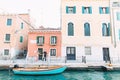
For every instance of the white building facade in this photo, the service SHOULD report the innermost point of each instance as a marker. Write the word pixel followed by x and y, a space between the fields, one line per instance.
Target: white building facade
pixel 115 24
pixel 87 31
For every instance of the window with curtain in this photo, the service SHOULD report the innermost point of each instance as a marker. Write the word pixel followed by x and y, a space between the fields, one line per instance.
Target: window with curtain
pixel 53 40
pixel 70 29
pixel 87 29
pixel 86 10
pixel 106 29
pixel 52 52
pixel 70 9
pixel 40 40
pixel 22 25
pixel 104 10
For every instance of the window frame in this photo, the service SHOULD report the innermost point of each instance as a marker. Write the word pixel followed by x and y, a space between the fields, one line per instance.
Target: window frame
pixel 22 25
pixel 8 52
pixel 86 10
pixel 7 37
pixel 70 29
pixel 53 40
pixel 9 22
pixel 87 29
pixel 21 39
pixel 38 40
pixel 70 9
pixel 88 50
pixel 52 52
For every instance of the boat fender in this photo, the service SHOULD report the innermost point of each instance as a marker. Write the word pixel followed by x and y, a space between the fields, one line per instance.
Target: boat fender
pixel 16 66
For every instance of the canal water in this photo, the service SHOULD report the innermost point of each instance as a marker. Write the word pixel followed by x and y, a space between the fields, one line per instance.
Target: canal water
pixel 67 75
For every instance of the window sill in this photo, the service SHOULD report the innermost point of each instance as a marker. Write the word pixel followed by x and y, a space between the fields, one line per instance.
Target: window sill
pixel 7 42
pixel 53 44
pixel 40 44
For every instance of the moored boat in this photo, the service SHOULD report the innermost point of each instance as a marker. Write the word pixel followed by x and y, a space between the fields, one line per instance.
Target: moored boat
pixel 42 70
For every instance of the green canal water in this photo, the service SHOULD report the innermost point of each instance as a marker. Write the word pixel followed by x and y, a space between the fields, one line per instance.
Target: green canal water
pixel 67 75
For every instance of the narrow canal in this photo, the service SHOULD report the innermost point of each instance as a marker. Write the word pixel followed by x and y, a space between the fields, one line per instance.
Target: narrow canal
pixel 67 75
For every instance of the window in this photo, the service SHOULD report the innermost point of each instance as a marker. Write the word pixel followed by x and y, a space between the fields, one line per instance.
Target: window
pixel 9 22
pixel 106 29
pixel 22 25
pixel 6 51
pixel 40 40
pixel 7 37
pixel 21 39
pixel 70 50
pixel 116 4
pixel 87 29
pixel 70 29
pixel 118 16
pixel 119 34
pixel 87 50
pixel 52 52
pixel 53 40
pixel 87 10
pixel 71 10
pixel 104 10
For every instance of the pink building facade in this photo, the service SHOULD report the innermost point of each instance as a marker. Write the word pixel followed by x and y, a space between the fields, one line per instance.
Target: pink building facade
pixel 14 30
pixel 44 40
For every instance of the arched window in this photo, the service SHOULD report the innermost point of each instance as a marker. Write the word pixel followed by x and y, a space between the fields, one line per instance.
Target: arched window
pixel 70 29
pixel 104 29
pixel 87 29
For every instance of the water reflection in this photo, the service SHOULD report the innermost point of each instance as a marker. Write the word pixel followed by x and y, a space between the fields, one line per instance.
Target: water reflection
pixel 107 76
pixel 67 75
pixel 48 77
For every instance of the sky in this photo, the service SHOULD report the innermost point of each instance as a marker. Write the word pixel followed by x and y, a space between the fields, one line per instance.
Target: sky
pixel 43 12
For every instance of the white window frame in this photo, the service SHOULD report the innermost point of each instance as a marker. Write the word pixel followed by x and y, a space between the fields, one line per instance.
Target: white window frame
pixel 71 10
pixel 53 52
pixel 41 40
pixel 8 52
pixel 54 42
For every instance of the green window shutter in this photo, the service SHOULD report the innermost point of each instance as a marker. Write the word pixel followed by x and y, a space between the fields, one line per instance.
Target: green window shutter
pixel 82 10
pixel 107 10
pixel 67 9
pixel 109 30
pixel 100 10
pixel 55 39
pixel 74 9
pixel 90 10
pixel 21 39
pixel 37 40
pixel 43 39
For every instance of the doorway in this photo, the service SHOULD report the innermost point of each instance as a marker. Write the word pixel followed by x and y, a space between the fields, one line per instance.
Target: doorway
pixel 106 56
pixel 71 53
pixel 40 51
